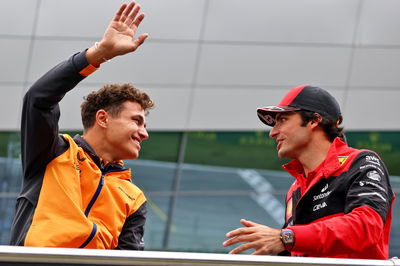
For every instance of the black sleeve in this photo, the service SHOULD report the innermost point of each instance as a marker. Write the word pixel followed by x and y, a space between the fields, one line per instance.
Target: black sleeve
pixel 40 113
pixel 131 237
pixel 371 186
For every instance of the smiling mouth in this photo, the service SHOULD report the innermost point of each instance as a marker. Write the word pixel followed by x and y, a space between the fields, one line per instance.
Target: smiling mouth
pixel 279 144
pixel 136 141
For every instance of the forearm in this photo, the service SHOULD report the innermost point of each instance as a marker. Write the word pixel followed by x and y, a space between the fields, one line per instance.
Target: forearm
pixel 345 234
pixel 49 89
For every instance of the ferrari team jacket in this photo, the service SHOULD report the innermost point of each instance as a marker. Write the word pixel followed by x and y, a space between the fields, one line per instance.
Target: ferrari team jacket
pixel 343 208
pixel 70 197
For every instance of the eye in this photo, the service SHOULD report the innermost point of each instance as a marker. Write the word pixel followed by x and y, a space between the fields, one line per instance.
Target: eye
pixel 137 120
pixel 281 119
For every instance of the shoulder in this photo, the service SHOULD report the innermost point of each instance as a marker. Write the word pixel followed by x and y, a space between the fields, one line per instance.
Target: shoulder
pixel 135 195
pixel 367 160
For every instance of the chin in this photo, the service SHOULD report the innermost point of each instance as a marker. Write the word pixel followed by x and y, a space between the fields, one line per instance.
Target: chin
pixel 282 154
pixel 134 156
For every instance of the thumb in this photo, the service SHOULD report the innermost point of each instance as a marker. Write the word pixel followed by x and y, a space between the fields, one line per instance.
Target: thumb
pixel 139 41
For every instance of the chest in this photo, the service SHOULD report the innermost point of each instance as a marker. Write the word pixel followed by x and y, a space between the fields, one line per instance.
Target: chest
pixel 325 198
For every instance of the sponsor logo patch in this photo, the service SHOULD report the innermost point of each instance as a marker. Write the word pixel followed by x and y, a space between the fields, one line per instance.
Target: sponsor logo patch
pixel 80 157
pixel 126 194
pixel 372 166
pixel 342 159
pixel 269 119
pixel 374 175
pixel 321 196
pixel 364 183
pixel 372 159
pixel 319 206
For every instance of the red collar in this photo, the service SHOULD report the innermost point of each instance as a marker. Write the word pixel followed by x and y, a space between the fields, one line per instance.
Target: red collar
pixel 327 167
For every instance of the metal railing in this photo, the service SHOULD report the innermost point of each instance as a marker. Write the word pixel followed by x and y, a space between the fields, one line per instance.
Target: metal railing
pixel 11 255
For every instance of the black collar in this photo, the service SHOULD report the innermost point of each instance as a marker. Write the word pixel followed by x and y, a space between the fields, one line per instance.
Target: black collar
pixel 105 167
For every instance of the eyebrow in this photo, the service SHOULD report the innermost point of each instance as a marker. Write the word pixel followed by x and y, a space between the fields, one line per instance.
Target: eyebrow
pixel 284 114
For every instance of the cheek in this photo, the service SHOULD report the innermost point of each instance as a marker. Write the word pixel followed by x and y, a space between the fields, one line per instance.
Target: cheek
pixel 301 137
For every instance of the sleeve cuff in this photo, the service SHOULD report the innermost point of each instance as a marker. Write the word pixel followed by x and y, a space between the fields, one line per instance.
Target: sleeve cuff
pixel 304 239
pixel 82 65
pixel 89 69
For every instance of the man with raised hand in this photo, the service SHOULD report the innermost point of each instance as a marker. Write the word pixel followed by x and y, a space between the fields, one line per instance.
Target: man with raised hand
pixel 76 192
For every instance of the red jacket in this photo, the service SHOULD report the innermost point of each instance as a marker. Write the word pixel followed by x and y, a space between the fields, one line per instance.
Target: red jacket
pixel 343 208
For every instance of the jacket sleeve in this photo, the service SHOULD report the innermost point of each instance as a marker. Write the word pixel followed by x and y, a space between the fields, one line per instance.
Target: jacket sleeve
pixel 40 113
pixel 362 224
pixel 131 237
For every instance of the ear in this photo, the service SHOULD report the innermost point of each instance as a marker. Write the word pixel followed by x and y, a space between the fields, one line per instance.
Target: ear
pixel 102 118
pixel 316 120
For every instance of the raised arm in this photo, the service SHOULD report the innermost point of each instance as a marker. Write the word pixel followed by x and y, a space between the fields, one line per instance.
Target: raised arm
pixel 39 124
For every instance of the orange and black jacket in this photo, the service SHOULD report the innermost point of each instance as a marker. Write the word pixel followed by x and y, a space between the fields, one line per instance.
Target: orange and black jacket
pixel 70 197
pixel 343 208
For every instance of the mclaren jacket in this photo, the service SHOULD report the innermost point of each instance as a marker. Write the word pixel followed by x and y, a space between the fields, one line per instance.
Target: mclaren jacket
pixel 70 197
pixel 343 208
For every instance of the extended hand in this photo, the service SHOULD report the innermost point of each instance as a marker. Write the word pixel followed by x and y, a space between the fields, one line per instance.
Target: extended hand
pixel 265 240
pixel 118 37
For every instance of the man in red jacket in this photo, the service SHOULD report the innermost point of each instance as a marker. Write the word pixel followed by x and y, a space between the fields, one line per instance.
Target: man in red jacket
pixel 340 204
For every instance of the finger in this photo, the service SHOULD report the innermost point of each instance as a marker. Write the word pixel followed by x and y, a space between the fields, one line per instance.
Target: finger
pixel 117 16
pixel 230 242
pixel 238 239
pixel 127 10
pixel 241 248
pixel 135 24
pixel 235 232
pixel 140 40
pixel 248 223
pixel 132 15
pixel 240 231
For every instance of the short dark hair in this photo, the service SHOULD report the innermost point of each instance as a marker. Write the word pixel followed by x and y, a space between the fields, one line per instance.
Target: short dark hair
pixel 110 98
pixel 330 126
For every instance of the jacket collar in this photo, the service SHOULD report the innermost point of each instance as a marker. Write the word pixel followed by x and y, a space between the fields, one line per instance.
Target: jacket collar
pixel 327 167
pixel 104 165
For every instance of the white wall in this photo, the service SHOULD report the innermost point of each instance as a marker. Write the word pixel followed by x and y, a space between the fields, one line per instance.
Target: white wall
pixel 209 64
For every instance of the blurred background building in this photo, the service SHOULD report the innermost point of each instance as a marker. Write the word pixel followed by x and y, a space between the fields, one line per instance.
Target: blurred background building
pixel 208 64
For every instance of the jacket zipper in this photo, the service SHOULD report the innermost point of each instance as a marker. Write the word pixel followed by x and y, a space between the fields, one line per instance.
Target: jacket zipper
pixel 89 207
pixel 95 196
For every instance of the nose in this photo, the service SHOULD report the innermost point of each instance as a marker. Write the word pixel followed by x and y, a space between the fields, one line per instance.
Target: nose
pixel 143 133
pixel 273 133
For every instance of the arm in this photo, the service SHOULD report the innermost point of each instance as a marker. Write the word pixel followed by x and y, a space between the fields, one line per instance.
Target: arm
pixel 348 234
pixel 39 123
pixel 131 237
pixel 40 115
pixel 264 239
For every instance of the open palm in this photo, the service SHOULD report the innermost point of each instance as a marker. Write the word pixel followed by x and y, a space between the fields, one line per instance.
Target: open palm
pixel 118 38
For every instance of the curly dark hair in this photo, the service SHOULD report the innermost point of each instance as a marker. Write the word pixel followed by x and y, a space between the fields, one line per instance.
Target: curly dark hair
pixel 330 126
pixel 110 98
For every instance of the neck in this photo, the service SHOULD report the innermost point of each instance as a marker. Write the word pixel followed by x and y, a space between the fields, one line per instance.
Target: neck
pixel 315 155
pixel 97 144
